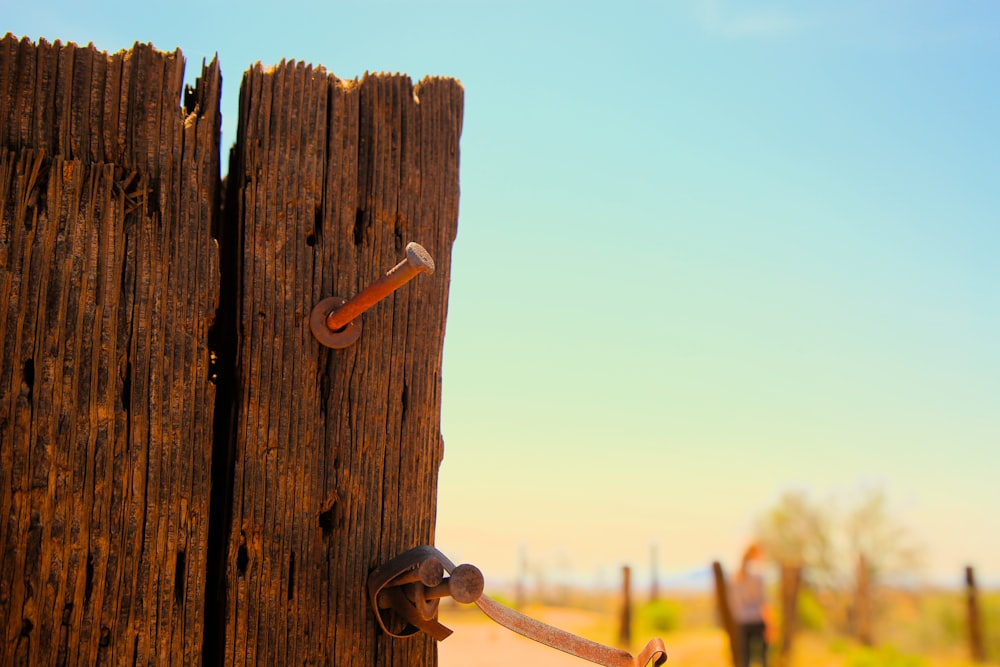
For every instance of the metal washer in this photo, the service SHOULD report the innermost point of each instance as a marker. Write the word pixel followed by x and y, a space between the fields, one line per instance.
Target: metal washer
pixel 333 339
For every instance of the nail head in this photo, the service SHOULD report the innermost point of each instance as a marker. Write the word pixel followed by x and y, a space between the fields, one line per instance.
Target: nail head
pixel 418 257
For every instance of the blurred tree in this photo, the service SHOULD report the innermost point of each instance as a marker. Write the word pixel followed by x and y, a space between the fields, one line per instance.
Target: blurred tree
pixel 798 533
pixel 882 549
pixel 887 547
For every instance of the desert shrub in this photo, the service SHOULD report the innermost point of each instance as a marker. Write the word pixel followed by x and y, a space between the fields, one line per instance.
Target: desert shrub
pixel 660 615
pixel 990 605
pixel 811 614
pixel 950 619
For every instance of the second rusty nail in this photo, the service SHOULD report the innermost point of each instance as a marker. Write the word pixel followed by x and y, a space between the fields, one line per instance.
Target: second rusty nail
pixel 430 573
pixel 417 261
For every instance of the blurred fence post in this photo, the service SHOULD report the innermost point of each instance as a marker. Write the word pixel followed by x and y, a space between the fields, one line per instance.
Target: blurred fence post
pixel 863 604
pixel 725 613
pixel 625 630
pixel 791 578
pixel 976 649
pixel 654 577
pixel 520 596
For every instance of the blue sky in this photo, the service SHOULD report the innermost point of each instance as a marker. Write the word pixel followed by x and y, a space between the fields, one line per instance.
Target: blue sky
pixel 708 252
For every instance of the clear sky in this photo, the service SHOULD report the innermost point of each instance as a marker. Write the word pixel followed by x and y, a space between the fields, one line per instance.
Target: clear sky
pixel 709 251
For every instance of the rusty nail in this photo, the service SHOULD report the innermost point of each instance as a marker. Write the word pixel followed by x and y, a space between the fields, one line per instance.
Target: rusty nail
pixel 417 261
pixel 465 585
pixel 334 319
pixel 430 573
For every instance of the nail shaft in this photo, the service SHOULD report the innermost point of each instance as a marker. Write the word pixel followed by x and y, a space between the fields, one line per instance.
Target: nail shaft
pixel 417 261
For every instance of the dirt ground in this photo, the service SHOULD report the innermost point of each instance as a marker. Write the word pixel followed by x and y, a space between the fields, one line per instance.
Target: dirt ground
pixel 478 642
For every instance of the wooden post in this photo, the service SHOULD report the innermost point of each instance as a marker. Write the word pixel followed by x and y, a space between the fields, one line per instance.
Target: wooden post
pixel 726 614
pixel 863 604
pixel 186 475
pixel 791 578
pixel 625 625
pixel 654 576
pixel 335 452
pixel 976 648
pixel 108 287
pixel 520 591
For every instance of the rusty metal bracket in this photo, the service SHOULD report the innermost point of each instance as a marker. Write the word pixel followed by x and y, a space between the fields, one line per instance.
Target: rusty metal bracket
pixel 405 591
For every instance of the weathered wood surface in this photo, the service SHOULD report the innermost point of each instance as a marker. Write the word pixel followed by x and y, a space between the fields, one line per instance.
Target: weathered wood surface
pixel 336 451
pixel 108 286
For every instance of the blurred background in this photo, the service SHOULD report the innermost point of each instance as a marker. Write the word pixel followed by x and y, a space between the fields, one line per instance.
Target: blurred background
pixel 726 271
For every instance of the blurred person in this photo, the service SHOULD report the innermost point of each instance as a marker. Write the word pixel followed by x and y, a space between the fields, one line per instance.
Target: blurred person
pixel 748 601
